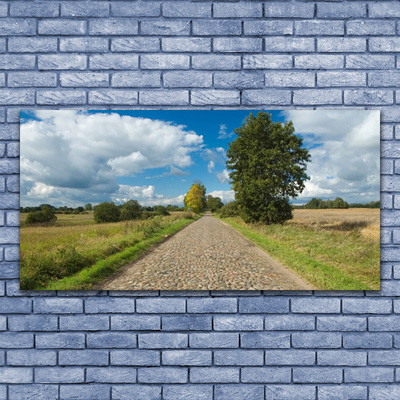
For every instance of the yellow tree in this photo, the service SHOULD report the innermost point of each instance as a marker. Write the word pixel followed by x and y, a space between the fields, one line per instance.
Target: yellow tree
pixel 195 199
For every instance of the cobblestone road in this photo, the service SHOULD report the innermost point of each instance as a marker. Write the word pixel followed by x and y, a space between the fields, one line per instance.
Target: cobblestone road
pixel 206 255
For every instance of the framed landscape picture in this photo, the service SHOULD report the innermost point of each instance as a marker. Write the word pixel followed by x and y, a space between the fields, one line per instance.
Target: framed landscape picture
pixel 200 200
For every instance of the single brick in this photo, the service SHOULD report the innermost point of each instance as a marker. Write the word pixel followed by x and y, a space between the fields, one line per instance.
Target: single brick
pixel 84 322
pixel 262 96
pixel 319 61
pixel 238 10
pixel 214 375
pixel 370 61
pixel 312 97
pixel 317 340
pixel 367 306
pixel 268 27
pixel 109 305
pixel 288 10
pixel 267 61
pixel 57 306
pixel 341 11
pixel 8 235
pixel 16 340
pixel 367 341
pixel 289 357
pixel 34 9
pixel 368 97
pixel 186 357
pixel 289 79
pixel 32 391
pixel 186 79
pixel 241 323
pixel 384 10
pixel 135 322
pixel 289 392
pixel 162 375
pixel 164 61
pixel 129 9
pixel 387 44
pixel 139 44
pixel 115 27
pixel 384 78
pixel 261 340
pixel 17 61
pixel 256 305
pixel 325 306
pixel 238 357
pixel 109 340
pixel 289 323
pixel 60 340
pixel 212 305
pixel 347 392
pixel 237 45
pixel 15 305
pixel 341 323
pixel 163 340
pixel 342 358
pixel 373 28
pixel 64 97
pixel 32 323
pixel 84 44
pixel 130 392
pixel 266 375
pixel 108 96
pixel 186 10
pixel 214 340
pixel 31 357
pixel 113 61
pixel 317 375
pixel 16 375
pixel 176 97
pixel 342 78
pixel 165 28
pixel 318 27
pixel 387 323
pixel 59 375
pixel 384 357
pixel 83 357
pixel 85 9
pixel 17 26
pixel 8 166
pixel 10 270
pixel 369 375
pixel 11 131
pixel 239 392
pixel 32 79
pixel 187 323
pixel 98 392
pixel 214 62
pixel 216 27
pixel 32 45
pixel 83 79
pixel 135 357
pixel 61 27
pixel 341 45
pixel 193 45
pixel 61 61
pixel 111 375
pixel 179 392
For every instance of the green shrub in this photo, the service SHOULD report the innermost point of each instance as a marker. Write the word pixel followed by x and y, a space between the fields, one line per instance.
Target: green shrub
pixel 45 216
pixel 230 209
pixel 106 212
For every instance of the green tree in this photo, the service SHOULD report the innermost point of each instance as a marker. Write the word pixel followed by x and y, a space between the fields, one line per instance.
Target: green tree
pixel 230 209
pixel 131 210
pixel 339 203
pixel 88 207
pixel 195 199
pixel 214 203
pixel 268 166
pixel 106 212
pixel 44 216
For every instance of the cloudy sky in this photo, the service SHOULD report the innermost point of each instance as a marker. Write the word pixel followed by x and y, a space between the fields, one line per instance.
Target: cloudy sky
pixel 71 157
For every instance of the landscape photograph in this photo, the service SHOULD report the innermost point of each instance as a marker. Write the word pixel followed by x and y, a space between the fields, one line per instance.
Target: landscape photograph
pixel 200 200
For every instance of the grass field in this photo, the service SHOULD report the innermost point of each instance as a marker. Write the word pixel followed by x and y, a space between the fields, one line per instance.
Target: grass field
pixel 75 253
pixel 331 249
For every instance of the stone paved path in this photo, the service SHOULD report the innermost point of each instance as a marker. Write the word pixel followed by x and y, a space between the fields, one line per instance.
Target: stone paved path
pixel 206 255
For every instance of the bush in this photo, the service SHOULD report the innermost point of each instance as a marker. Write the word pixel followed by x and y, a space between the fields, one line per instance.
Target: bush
pixel 229 210
pixel 106 212
pixel 45 216
pixel 131 210
pixel 161 210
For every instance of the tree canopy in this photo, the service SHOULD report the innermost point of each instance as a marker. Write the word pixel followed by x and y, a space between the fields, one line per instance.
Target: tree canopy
pixel 267 164
pixel 195 199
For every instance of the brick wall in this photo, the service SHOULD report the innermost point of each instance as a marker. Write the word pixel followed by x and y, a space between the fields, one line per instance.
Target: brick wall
pixel 199 345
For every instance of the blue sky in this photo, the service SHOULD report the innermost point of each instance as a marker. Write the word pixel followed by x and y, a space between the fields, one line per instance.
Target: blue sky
pixel 71 157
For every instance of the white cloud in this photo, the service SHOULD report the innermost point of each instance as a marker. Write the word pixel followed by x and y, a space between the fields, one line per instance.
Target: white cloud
pixel 223 176
pixel 210 166
pixel 345 152
pixel 225 195
pixel 223 134
pixel 70 150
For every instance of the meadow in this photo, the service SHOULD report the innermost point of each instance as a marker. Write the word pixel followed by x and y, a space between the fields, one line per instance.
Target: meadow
pixel 332 249
pixel 75 253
